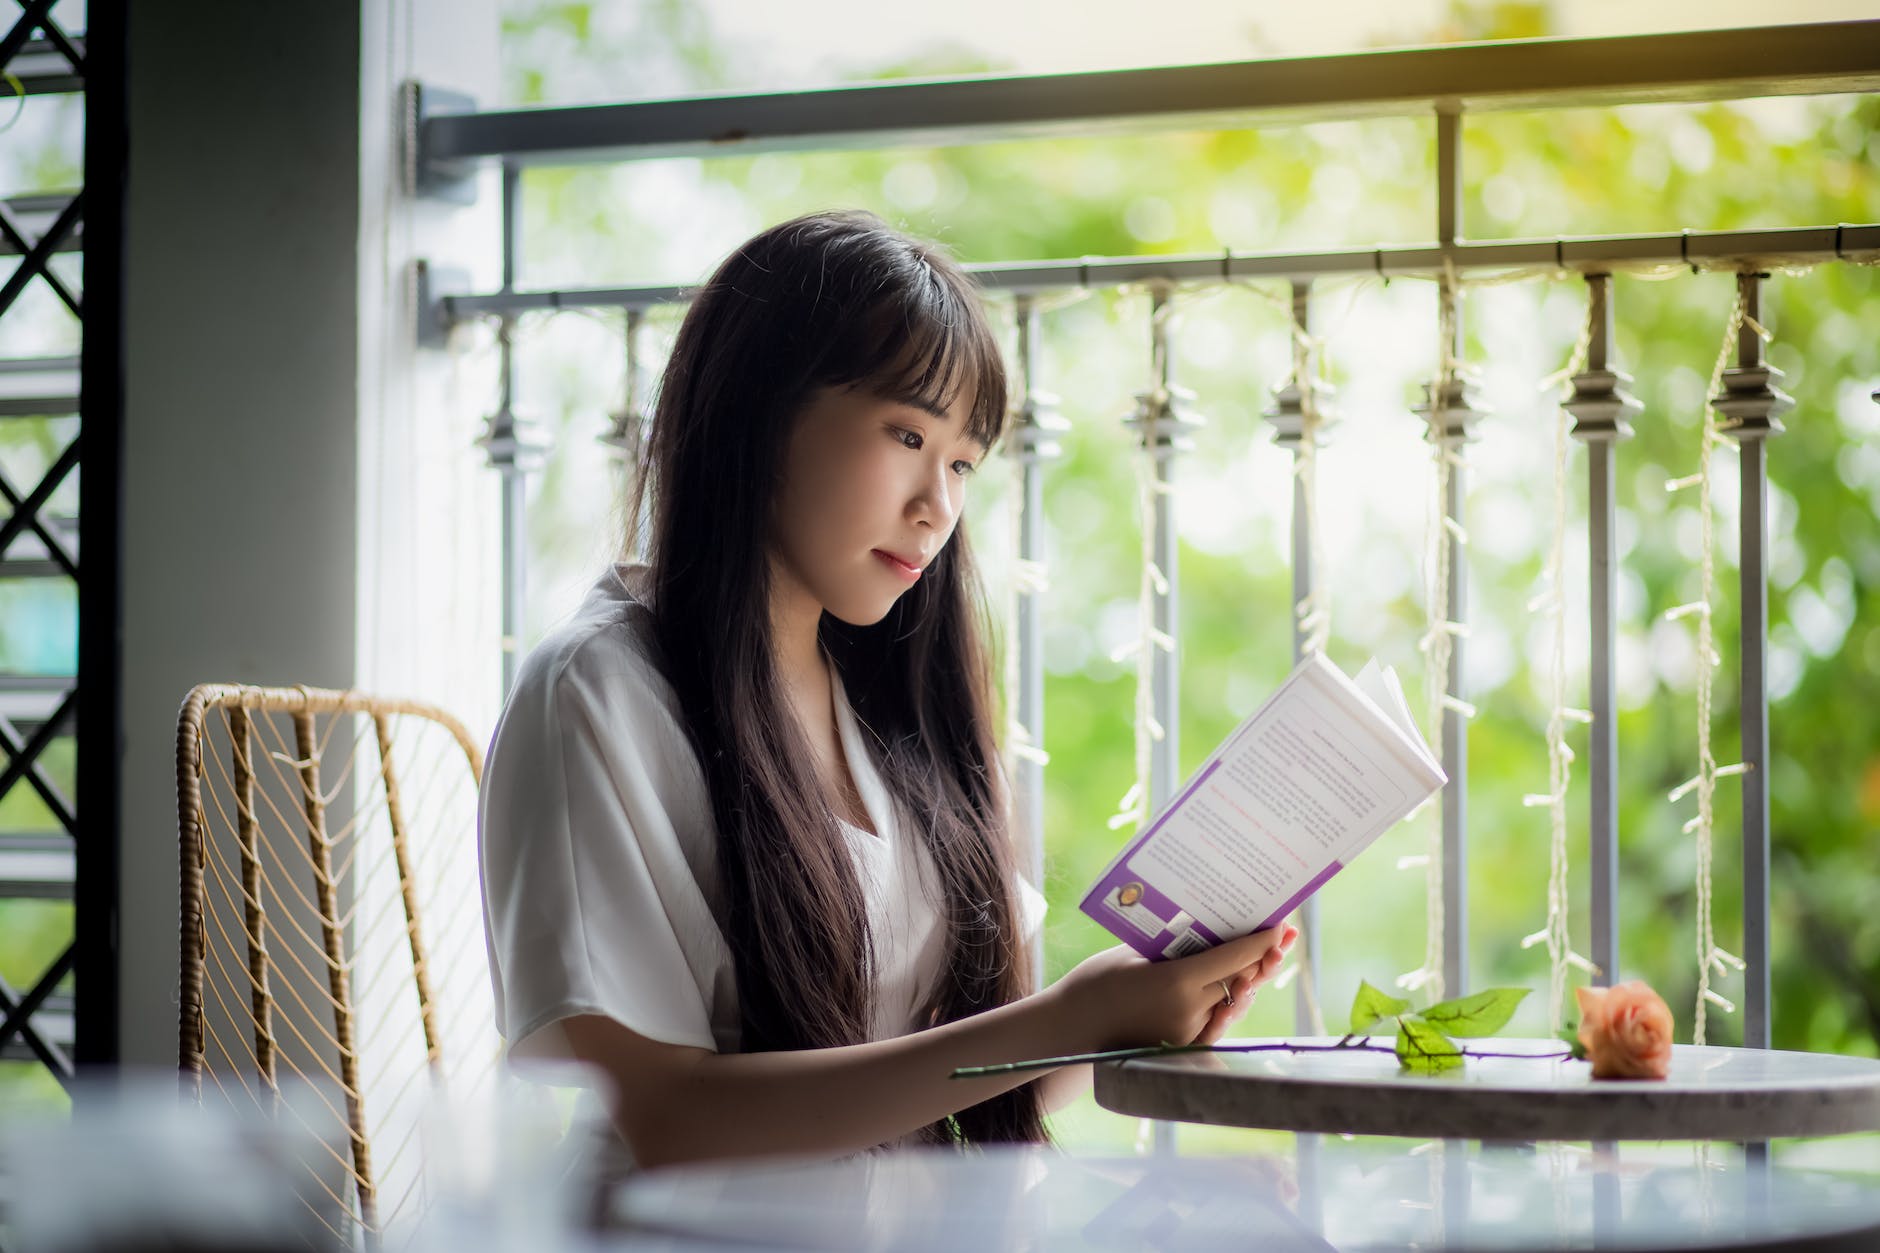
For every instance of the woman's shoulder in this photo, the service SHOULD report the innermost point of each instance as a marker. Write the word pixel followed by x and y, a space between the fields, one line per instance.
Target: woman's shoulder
pixel 602 654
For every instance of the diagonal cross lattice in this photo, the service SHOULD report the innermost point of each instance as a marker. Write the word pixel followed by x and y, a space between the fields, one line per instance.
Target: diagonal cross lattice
pixel 37 15
pixel 25 516
pixel 22 752
pixel 22 761
pixel 16 1013
pixel 36 255
pixel 26 510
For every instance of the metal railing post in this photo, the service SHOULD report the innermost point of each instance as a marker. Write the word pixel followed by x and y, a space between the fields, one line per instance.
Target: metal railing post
pixel 626 435
pixel 1162 419
pixel 1449 407
pixel 1601 409
pixel 1036 425
pixel 1751 401
pixel 1302 398
pixel 514 446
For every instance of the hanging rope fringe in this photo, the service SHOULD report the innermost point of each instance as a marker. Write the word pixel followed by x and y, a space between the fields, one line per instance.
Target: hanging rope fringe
pixel 1553 601
pixel 1133 808
pixel 1704 782
pixel 1437 642
pixel 1021 746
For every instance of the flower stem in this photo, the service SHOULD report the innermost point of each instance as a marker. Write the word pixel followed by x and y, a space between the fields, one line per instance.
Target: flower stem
pixel 1345 1045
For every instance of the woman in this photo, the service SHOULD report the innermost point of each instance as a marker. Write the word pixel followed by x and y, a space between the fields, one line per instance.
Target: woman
pixel 743 827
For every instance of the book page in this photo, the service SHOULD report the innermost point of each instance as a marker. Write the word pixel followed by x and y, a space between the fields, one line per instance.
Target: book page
pixel 1305 784
pixel 1381 686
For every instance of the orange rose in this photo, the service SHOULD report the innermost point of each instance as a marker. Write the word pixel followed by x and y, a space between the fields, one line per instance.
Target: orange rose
pixel 1626 1031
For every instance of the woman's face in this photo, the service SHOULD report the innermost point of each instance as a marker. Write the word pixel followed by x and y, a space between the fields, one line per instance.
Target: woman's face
pixel 872 490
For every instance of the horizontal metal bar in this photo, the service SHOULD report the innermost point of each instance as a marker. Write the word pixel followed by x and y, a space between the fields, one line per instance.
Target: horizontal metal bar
pixel 38 365
pixel 27 700
pixel 57 888
pixel 33 841
pixel 37 866
pixel 39 405
pixel 457 307
pixel 1588 255
pixel 51 687
pixel 43 70
pixel 38 387
pixel 36 214
pixel 1810 58
pixel 31 568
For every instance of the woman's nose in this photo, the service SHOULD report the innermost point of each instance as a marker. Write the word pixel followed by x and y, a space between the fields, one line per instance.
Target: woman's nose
pixel 933 504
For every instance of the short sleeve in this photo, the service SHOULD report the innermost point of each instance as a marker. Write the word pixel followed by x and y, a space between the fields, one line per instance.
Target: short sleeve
pixel 590 903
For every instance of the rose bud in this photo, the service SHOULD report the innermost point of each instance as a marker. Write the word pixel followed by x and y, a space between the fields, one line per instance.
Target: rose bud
pixel 1626 1031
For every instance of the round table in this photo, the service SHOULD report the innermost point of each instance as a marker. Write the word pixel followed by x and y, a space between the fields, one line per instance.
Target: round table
pixel 1712 1093
pixel 1388 1197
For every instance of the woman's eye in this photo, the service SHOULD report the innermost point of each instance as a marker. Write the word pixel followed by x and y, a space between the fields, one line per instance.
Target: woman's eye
pixel 964 468
pixel 910 438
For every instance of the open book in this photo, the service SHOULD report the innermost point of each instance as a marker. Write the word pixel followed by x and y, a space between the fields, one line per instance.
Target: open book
pixel 1304 785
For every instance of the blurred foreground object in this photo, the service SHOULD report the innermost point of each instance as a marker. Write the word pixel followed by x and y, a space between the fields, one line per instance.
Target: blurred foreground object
pixel 134 1168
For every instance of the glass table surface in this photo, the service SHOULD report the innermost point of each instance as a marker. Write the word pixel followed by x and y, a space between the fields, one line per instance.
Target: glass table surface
pixel 1370 1195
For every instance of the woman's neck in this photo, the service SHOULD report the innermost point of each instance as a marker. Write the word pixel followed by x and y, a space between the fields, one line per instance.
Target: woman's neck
pixel 808 688
pixel 795 637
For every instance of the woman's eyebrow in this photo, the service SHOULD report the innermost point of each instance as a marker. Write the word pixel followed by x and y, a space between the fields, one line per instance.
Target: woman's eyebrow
pixel 931 408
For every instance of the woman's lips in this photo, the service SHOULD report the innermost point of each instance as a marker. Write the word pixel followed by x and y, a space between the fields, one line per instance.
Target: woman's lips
pixel 894 563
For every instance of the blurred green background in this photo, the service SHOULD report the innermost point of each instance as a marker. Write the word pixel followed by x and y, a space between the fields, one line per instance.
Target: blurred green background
pixel 1784 162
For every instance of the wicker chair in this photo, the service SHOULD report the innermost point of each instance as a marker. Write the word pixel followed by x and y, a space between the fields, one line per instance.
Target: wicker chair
pixel 316 827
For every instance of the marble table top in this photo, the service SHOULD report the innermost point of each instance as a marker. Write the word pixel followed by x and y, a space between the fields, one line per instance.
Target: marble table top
pixel 1712 1093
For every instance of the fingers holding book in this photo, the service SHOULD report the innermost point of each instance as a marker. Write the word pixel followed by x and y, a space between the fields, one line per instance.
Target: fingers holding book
pixel 1238 988
pixel 1118 999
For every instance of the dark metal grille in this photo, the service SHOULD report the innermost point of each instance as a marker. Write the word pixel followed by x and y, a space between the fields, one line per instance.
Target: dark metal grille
pixel 58 861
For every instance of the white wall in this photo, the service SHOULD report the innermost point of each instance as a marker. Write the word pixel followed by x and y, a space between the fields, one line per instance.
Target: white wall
pixel 301 501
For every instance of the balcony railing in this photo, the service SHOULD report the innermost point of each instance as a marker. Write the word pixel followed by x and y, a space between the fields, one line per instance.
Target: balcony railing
pixel 1447 84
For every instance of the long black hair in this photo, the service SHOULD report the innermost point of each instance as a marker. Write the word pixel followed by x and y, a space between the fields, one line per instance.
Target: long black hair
pixel 832 300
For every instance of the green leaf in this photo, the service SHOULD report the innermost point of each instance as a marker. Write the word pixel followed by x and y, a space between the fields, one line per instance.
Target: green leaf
pixel 1422 1047
pixel 1371 1007
pixel 1478 1014
pixel 1572 1036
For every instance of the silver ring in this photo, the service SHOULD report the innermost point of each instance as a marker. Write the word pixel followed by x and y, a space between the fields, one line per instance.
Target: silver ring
pixel 1227 993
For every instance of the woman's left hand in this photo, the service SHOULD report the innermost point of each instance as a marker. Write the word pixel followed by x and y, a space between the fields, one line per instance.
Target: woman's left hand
pixel 1245 984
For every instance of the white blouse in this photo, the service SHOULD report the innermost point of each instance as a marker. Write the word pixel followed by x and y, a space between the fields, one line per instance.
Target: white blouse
pixel 599 864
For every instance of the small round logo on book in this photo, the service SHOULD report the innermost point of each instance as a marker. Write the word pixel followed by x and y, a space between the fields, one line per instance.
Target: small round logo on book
pixel 1126 902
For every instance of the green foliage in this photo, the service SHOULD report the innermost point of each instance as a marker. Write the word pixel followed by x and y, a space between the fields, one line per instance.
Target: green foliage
pixel 1425 1038
pixel 1786 162
pixel 1779 162
pixel 1483 1013
pixel 1420 1046
pixel 1371 1007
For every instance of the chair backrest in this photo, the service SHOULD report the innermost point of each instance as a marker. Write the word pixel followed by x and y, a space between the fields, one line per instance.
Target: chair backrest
pixel 331 923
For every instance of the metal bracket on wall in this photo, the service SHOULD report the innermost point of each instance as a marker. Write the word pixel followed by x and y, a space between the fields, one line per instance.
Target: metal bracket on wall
pixel 453 181
pixel 435 285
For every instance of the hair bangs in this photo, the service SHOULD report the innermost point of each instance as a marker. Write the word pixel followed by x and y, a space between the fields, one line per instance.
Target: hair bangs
pixel 927 347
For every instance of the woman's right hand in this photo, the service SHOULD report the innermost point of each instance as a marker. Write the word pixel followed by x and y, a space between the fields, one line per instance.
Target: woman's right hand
pixel 1120 999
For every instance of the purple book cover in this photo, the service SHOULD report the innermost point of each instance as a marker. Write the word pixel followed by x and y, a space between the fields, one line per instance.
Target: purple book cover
pixel 1318 767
